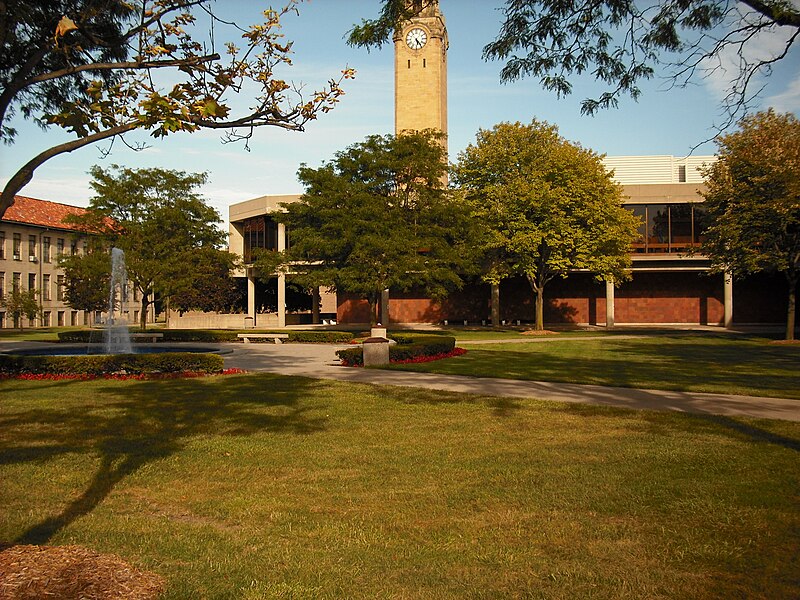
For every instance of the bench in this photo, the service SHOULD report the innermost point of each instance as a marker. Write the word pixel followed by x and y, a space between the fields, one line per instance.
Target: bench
pixel 246 337
pixel 142 337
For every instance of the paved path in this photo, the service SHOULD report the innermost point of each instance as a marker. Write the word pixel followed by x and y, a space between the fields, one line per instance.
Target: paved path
pixel 319 361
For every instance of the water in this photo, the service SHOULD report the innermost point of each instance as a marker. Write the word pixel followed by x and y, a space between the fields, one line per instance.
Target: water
pixel 118 338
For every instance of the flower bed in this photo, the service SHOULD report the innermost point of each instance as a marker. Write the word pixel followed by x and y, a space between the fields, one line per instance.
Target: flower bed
pixel 117 376
pixel 410 347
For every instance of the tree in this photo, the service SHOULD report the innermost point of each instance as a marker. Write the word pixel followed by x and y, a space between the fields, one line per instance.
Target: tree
pixel 379 216
pixel 87 278
pixel 93 68
pixel 753 201
pixel 19 303
pixel 548 207
pixel 211 287
pixel 157 218
pixel 622 43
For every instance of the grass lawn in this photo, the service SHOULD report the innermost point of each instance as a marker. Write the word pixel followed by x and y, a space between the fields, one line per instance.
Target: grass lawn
pixel 700 362
pixel 261 486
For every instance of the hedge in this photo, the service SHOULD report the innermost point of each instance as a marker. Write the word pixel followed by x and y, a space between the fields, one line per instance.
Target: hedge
pixel 83 336
pixel 98 364
pixel 408 347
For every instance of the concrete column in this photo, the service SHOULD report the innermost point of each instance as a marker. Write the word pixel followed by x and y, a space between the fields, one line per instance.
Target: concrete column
pixel 281 278
pixel 251 295
pixel 315 299
pixel 385 307
pixel 728 319
pixel 609 303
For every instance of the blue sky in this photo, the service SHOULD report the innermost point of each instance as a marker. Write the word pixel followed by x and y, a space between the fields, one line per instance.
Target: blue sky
pixel 661 122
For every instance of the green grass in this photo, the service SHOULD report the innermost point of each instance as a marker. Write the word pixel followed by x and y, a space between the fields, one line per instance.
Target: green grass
pixel 693 362
pixel 34 334
pixel 262 486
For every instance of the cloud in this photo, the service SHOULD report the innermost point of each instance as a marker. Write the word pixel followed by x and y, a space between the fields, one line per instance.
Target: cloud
pixel 788 100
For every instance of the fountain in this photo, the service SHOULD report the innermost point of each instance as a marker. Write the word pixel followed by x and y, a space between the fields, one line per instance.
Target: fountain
pixel 118 338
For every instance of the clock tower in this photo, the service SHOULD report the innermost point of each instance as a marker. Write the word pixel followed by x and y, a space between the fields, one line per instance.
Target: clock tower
pixel 420 70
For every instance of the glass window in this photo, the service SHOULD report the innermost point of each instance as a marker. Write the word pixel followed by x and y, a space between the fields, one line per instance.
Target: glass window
pixel 46 286
pixel 700 223
pixel 73 247
pixel 2 284
pixel 31 281
pixel 17 246
pixel 61 318
pixel 657 228
pixel 2 244
pixel 60 288
pixel 31 246
pixel 16 281
pixel 639 211
pixel 46 249
pixel 680 219
pixel 46 318
pixel 73 318
pixel 60 246
pixel 259 232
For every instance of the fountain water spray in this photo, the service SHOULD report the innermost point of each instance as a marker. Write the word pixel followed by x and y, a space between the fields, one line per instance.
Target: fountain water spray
pixel 118 338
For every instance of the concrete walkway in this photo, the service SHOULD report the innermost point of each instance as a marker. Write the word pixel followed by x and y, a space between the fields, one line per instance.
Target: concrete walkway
pixel 320 362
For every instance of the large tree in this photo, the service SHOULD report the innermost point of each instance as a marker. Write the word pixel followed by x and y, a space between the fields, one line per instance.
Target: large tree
pixel 753 201
pixel 547 206
pixel 161 223
pixel 379 216
pixel 87 277
pixel 621 43
pixel 93 67
pixel 22 303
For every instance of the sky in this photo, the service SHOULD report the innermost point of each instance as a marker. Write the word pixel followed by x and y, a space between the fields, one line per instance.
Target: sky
pixel 663 122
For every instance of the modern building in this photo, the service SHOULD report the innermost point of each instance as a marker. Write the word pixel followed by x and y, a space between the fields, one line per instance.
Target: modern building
pixel 671 282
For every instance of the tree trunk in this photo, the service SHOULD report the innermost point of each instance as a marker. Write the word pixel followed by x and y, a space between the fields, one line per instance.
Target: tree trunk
pixel 495 305
pixel 143 316
pixel 373 310
pixel 539 308
pixel 791 311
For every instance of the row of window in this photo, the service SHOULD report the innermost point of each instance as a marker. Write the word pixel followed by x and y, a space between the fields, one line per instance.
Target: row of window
pixel 33 255
pixel 46 295
pixel 669 227
pixel 61 319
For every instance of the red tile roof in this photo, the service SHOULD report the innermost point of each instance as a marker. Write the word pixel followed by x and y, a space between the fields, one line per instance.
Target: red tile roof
pixel 43 213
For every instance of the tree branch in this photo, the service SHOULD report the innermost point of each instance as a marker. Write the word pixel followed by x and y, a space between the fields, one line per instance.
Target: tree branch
pixel 22 177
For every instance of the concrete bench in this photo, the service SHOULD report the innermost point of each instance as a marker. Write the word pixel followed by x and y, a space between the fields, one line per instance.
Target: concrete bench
pixel 146 337
pixel 246 337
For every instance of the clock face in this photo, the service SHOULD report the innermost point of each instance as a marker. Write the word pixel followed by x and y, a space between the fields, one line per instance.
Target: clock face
pixel 416 38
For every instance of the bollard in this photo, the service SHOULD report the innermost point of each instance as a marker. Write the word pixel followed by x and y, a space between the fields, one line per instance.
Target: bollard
pixel 376 351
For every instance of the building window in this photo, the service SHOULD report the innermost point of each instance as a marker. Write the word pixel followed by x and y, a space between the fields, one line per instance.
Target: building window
pixel 59 246
pixel 86 317
pixel 16 281
pixel 32 248
pixel 259 232
pixel 17 246
pixel 73 318
pixel 31 281
pixel 46 249
pixel 2 320
pixel 73 247
pixel 2 285
pixel 60 288
pixel 2 245
pixel 46 286
pixel 46 318
pixel 668 227
pixel 61 318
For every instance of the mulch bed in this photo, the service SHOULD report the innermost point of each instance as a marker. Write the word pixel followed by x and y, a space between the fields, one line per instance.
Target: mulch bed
pixel 72 573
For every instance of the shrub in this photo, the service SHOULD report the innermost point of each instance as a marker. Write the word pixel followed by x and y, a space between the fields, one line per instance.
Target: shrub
pixel 168 362
pixel 409 346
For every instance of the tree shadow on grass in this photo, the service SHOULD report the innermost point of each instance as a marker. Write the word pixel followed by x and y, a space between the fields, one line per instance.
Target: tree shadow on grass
pixel 146 421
